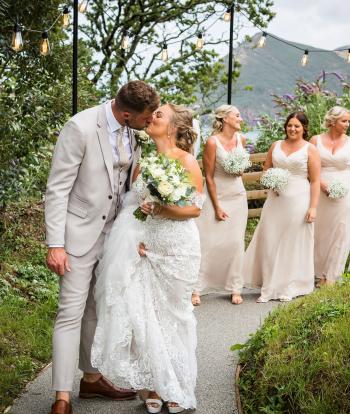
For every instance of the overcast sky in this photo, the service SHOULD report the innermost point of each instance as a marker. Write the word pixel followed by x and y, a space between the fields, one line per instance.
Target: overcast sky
pixel 319 23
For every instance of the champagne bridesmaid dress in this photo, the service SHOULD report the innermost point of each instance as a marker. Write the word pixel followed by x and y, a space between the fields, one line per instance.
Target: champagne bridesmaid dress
pixel 332 227
pixel 222 242
pixel 279 258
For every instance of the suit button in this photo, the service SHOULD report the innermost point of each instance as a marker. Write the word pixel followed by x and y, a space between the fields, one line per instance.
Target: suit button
pixel 103 217
pixel 121 182
pixel 110 197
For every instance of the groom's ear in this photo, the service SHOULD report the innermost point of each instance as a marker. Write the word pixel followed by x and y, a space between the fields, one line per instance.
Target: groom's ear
pixel 126 115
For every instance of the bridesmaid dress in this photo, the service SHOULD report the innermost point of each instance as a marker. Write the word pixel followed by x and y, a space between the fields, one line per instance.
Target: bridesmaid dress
pixel 222 242
pixel 332 227
pixel 279 258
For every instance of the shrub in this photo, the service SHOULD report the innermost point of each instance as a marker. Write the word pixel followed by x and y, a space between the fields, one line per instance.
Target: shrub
pixel 298 362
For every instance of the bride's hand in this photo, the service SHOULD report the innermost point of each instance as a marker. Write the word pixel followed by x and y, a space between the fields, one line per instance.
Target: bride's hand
pixel 147 208
pixel 150 208
pixel 142 250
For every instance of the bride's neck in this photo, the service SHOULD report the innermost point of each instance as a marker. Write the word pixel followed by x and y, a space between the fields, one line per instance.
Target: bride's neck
pixel 165 146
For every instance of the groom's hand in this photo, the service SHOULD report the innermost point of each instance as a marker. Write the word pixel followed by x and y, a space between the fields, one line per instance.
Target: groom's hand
pixel 57 260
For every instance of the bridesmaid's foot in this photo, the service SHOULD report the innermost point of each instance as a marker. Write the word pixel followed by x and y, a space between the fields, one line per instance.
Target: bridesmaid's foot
pixel 261 300
pixel 153 403
pixel 196 299
pixel 321 282
pixel 236 299
pixel 174 407
pixel 329 282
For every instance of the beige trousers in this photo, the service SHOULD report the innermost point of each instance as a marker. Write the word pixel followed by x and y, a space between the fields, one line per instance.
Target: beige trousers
pixel 76 319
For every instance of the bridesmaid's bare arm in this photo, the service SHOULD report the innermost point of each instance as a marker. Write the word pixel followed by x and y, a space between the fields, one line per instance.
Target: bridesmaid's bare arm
pixel 268 162
pixel 314 169
pixel 323 184
pixel 209 158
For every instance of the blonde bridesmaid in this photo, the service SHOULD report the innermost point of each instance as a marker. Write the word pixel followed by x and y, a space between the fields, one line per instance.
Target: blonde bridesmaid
pixel 279 258
pixel 332 227
pixel 223 220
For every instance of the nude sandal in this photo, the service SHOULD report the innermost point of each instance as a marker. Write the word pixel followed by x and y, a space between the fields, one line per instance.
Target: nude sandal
pixel 154 409
pixel 174 409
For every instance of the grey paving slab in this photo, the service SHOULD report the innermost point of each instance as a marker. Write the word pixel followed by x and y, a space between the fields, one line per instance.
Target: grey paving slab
pixel 220 324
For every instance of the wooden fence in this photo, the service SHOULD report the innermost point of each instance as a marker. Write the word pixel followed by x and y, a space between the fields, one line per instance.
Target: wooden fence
pixel 253 177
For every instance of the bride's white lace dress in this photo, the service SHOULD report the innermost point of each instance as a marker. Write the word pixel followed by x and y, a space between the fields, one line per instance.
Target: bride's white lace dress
pixel 146 331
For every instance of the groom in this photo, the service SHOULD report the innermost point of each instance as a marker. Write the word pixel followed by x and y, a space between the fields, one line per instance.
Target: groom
pixel 92 167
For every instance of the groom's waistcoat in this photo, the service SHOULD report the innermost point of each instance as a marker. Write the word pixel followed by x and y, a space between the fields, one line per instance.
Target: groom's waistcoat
pixel 85 185
pixel 120 174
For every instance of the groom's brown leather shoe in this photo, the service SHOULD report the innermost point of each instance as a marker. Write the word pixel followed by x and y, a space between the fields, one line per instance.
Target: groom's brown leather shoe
pixel 61 407
pixel 105 389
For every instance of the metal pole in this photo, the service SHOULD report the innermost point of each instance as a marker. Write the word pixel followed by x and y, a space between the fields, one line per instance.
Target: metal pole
pixel 230 56
pixel 75 59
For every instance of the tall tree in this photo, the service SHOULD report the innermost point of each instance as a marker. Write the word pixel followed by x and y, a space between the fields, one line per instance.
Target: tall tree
pixel 151 23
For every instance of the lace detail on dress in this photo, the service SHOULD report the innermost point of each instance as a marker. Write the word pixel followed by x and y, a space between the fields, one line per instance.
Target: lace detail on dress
pixel 198 199
pixel 146 332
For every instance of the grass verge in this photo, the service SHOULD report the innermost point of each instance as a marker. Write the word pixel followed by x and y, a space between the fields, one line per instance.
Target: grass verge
pixel 299 361
pixel 28 294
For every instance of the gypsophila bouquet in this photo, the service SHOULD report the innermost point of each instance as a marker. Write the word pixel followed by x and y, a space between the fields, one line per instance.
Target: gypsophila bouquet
pixel 337 189
pixel 167 181
pixel 275 179
pixel 236 162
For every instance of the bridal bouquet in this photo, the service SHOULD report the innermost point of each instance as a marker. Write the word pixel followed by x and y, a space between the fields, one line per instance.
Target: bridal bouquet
pixel 237 161
pixel 337 189
pixel 167 181
pixel 275 178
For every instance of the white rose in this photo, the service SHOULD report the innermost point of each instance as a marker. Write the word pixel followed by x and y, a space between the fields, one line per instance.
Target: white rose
pixel 156 172
pixel 165 188
pixel 175 179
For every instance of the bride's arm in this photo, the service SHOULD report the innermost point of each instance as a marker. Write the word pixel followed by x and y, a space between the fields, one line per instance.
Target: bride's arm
pixel 176 212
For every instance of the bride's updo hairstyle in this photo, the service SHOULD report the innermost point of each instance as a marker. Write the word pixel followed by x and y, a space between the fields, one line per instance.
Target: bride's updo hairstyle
pixel 220 113
pixel 182 121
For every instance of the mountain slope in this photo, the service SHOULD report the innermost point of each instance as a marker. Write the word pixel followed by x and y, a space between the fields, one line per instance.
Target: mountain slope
pixel 274 70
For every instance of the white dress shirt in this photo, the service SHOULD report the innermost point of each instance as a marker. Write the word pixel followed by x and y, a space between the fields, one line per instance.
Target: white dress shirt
pixel 113 126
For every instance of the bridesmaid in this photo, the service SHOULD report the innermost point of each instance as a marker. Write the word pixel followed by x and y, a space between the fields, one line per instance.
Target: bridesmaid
pixel 332 227
pixel 279 258
pixel 223 220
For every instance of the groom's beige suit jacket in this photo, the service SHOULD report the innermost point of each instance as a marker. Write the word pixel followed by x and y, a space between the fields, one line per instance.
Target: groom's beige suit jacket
pixel 80 186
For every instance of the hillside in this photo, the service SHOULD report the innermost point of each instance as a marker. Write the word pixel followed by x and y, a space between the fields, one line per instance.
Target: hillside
pixel 274 70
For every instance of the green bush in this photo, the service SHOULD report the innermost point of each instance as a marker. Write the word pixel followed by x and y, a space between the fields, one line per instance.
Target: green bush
pixel 312 98
pixel 299 361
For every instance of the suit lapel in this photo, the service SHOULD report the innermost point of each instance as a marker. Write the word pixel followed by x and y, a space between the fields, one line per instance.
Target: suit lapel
pixel 103 136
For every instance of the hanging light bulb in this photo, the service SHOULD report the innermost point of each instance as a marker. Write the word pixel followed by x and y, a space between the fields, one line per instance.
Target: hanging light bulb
pixel 227 15
pixel 165 55
pixel 125 40
pixel 348 59
pixel 262 40
pixel 305 58
pixel 200 41
pixel 44 44
pixel 17 41
pixel 65 17
pixel 83 6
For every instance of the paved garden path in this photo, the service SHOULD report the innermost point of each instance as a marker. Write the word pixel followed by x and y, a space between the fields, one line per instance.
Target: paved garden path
pixel 220 325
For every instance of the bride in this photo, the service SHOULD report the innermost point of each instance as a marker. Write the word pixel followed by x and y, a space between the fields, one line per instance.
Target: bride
pixel 146 330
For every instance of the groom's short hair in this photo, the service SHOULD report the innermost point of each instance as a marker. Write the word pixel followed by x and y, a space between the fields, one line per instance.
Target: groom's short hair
pixel 137 96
